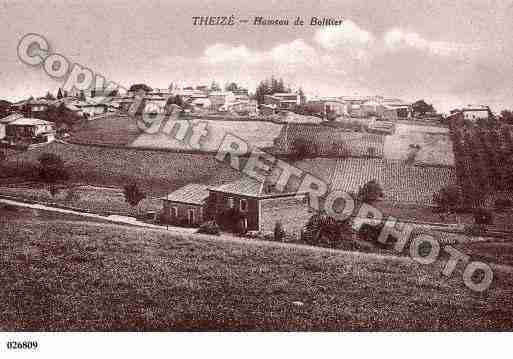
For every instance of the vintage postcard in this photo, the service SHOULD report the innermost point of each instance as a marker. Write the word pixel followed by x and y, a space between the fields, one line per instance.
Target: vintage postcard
pixel 268 166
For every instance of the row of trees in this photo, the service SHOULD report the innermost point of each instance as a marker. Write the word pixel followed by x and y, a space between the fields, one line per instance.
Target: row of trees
pixel 483 158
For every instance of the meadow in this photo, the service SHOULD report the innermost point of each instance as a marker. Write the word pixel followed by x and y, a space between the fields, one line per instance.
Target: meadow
pixel 66 275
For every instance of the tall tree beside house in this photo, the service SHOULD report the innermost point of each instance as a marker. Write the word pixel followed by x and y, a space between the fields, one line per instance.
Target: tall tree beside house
pixel 59 94
pixel 302 97
pixel 421 107
pixel 279 232
pixel 269 87
pixel 49 96
pixel 506 116
pixel 262 89
pixel 214 86
pixel 133 194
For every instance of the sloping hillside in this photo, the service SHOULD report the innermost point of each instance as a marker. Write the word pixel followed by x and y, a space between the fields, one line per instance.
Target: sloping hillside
pixel 158 172
pixel 62 275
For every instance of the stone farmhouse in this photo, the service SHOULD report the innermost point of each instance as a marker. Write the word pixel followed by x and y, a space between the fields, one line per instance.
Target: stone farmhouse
pixel 259 205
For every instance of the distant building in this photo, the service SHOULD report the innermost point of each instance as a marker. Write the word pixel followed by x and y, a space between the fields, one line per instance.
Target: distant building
pixel 7 120
pixel 29 131
pixel 38 106
pixel 250 107
pixel 219 99
pixel 284 101
pixel 475 113
pixel 394 109
pixel 267 110
pixel 328 105
pixel 92 109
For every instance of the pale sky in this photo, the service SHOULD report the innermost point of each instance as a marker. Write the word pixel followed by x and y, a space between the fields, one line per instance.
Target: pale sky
pixel 450 53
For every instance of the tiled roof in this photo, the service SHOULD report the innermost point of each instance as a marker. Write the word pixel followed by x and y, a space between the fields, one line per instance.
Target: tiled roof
pixel 248 186
pixel 245 186
pixel 10 118
pixel 30 122
pixel 193 193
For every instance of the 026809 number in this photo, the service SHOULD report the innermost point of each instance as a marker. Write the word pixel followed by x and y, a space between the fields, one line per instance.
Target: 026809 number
pixel 25 345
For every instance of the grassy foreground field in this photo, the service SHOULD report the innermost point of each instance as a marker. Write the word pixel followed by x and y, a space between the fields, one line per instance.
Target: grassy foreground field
pixel 67 275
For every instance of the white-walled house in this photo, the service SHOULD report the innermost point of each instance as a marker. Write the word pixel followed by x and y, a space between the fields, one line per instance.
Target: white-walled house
pixel 29 131
pixel 7 120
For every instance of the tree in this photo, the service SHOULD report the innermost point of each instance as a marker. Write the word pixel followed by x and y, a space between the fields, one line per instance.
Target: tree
pixel 324 230
pixel 420 107
pixel 49 96
pixel 303 148
pixel 5 108
pixel 507 117
pixel 214 86
pixel 175 100
pixel 370 192
pixel 447 198
pixel 59 94
pixel 140 87
pixel 231 219
pixel 133 195
pixel 279 232
pixel 482 217
pixel 51 168
pixel 302 97
pixel 232 87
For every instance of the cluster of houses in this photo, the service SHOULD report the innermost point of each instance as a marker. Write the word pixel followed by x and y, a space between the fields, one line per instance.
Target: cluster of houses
pixel 200 99
pixel 387 109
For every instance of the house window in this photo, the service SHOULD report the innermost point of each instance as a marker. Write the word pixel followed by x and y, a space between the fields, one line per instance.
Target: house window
pixel 191 216
pixel 243 205
pixel 230 202
pixel 174 211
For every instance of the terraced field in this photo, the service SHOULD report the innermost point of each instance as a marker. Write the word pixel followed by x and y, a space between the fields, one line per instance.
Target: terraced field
pixel 400 182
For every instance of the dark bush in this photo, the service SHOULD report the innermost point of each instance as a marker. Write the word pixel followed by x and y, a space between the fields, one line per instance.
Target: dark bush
pixel 210 227
pixel 279 232
pixel 483 217
pixel 51 168
pixel 502 203
pixel 447 198
pixel 324 230
pixel 370 192
pixel 231 220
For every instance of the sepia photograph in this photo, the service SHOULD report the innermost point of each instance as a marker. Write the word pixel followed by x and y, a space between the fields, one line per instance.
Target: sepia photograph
pixel 255 166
